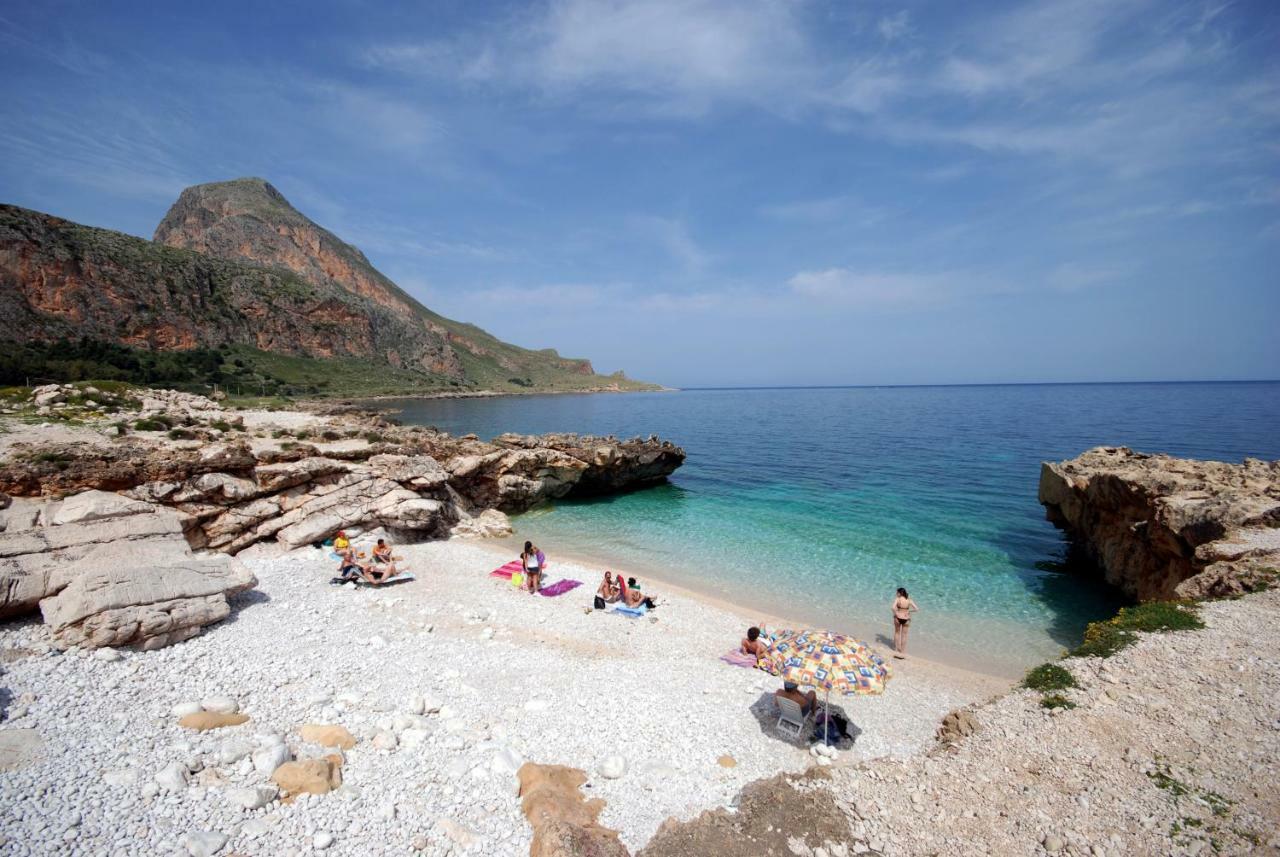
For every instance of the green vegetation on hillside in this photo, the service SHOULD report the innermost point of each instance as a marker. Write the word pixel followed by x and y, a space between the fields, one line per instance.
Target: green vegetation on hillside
pixel 241 371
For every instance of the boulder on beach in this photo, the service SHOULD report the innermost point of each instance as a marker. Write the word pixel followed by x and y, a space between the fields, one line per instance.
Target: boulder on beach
pixel 309 776
pixel 202 721
pixel 327 735
pixel 563 820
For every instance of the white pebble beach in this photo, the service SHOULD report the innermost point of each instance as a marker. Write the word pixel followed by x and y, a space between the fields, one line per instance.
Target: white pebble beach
pixel 448 682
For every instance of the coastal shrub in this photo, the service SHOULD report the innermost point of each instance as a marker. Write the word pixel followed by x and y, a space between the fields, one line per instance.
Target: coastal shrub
pixel 122 429
pixel 330 434
pixel 279 433
pixel 1159 616
pixel 303 435
pixel 373 437
pixel 1049 677
pixel 1103 639
pixel 150 425
pixel 1056 700
pixel 220 425
pixel 180 434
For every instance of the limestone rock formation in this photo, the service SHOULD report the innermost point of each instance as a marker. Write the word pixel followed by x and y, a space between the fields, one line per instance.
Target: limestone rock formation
pixel 107 570
pixel 415 483
pixel 148 598
pixel 1162 527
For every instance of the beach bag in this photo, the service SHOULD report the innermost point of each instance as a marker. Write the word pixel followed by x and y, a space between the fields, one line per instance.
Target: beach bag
pixel 598 603
pixel 834 733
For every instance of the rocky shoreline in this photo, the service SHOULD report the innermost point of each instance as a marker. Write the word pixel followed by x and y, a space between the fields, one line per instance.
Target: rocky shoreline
pixel 298 717
pixel 183 473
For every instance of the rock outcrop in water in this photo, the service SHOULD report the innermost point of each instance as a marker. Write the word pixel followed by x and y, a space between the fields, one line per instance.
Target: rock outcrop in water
pixel 1162 527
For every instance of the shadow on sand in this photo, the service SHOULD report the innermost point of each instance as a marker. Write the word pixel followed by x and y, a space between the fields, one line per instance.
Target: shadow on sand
pixel 765 711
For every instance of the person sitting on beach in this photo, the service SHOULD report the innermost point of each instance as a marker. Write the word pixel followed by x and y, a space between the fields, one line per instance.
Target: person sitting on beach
pixel 341 542
pixel 348 568
pixel 752 644
pixel 608 589
pixel 382 552
pixel 632 597
pixel 791 690
pixel 633 584
pixel 376 573
pixel 532 560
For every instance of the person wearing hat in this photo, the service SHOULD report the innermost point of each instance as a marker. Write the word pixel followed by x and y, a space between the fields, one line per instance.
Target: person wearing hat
pixel 341 542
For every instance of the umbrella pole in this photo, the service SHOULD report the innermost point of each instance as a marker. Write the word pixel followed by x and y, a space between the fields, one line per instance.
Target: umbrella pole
pixel 826 718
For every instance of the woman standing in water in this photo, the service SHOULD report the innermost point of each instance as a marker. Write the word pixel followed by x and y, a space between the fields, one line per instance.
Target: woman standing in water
pixel 903 607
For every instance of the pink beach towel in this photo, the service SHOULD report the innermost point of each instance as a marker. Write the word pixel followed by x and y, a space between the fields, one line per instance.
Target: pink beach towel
pixel 560 587
pixel 739 658
pixel 507 570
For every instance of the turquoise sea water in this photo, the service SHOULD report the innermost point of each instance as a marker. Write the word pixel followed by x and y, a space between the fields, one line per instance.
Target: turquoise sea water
pixel 815 504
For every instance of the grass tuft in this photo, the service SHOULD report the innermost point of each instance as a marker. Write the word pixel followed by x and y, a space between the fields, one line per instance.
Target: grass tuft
pixel 1049 677
pixel 1056 700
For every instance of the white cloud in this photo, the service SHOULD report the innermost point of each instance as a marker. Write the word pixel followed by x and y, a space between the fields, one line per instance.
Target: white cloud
pixel 849 288
pixel 894 26
pixel 674 56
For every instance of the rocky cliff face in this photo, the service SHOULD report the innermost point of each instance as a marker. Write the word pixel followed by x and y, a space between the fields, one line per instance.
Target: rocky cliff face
pixel 1162 527
pixel 234 264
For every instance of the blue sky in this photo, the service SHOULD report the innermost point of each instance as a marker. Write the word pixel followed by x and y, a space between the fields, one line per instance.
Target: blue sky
pixel 717 191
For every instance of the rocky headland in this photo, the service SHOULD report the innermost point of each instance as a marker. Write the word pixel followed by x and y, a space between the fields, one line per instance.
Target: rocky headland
pixel 135 496
pixel 1160 527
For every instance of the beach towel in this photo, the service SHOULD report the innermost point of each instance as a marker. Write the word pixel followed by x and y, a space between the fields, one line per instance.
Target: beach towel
pixel 739 658
pixel 632 612
pixel 560 587
pixel 402 577
pixel 507 570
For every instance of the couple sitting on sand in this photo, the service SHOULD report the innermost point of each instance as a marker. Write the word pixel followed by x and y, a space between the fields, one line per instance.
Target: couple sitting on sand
pixel 625 591
pixel 380 568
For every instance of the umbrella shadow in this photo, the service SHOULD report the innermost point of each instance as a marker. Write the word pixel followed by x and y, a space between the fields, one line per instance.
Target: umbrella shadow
pixel 765 711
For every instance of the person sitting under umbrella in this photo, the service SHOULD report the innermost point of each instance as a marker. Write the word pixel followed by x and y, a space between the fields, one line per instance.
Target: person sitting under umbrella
pixel 806 701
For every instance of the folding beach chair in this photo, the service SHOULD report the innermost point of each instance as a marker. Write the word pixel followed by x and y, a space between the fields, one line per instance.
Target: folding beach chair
pixel 791 717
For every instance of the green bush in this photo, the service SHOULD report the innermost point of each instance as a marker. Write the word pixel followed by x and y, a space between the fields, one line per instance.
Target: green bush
pixel 330 434
pixel 1056 700
pixel 1159 616
pixel 373 437
pixel 181 434
pixel 1103 639
pixel 220 425
pixel 1049 677
pixel 151 425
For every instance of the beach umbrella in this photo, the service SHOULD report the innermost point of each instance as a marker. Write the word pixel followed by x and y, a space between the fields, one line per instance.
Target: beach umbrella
pixel 826 661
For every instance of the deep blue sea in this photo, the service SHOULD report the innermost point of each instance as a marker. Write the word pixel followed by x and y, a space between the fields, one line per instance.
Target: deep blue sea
pixel 815 504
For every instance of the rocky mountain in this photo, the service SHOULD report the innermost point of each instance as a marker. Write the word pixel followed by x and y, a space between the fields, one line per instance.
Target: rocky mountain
pixel 234 264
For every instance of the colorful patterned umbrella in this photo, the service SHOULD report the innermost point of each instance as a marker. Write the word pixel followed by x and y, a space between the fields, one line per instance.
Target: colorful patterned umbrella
pixel 826 661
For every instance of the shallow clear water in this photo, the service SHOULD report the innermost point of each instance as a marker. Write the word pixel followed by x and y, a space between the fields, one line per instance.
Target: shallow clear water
pixel 815 504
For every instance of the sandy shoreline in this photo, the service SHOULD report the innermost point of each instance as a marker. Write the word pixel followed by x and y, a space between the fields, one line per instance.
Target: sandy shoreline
pixel 980 682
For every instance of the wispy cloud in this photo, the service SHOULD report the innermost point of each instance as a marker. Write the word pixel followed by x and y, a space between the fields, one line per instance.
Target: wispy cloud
pixel 850 288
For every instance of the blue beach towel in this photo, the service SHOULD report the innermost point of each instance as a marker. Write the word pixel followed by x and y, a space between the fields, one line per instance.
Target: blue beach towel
pixel 633 612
